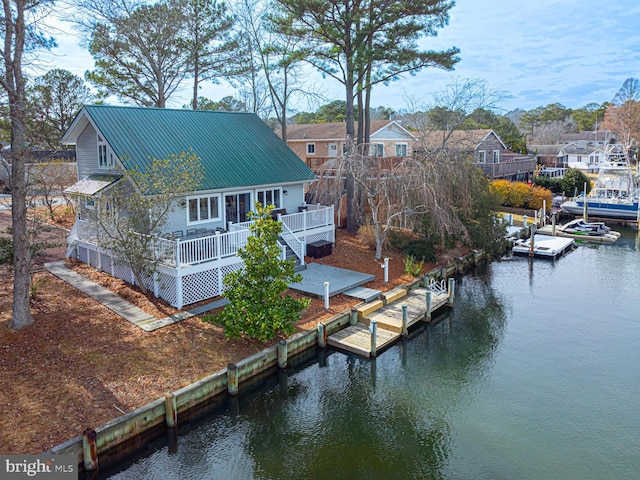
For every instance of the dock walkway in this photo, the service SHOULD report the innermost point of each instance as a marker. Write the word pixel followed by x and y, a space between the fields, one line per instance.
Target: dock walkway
pixel 388 319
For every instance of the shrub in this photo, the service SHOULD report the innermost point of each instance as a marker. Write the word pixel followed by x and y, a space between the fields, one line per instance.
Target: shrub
pixel 366 236
pixel 501 188
pixel 538 196
pixel 258 304
pixel 412 266
pixel 574 180
pixel 420 250
pixel 519 195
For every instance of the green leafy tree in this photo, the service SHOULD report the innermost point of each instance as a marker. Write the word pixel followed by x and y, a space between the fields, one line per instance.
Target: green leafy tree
pixel 589 116
pixel 212 48
pixel 259 307
pixel 225 104
pixel 574 181
pixel 361 44
pixel 135 209
pixel 141 56
pixel 55 98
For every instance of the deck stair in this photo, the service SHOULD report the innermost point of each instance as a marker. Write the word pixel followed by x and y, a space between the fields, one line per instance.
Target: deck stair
pixel 387 314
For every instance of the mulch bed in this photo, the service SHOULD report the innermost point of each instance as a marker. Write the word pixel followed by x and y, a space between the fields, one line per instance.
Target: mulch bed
pixel 80 365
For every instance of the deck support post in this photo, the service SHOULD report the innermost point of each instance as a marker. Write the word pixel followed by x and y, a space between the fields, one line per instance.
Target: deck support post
pixel 170 410
pixel 427 314
pixel 90 449
pixel 282 354
pixel 353 318
pixel 373 328
pixel 553 225
pixel 322 335
pixel 405 321
pixel 451 292
pixel 232 378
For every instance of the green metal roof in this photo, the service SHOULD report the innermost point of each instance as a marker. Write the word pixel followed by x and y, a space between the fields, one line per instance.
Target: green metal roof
pixel 236 148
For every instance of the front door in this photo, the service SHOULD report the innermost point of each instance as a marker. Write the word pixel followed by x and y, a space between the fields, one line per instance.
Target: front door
pixel 333 149
pixel 236 206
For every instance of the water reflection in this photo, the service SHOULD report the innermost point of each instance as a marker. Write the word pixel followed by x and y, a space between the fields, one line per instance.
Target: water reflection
pixel 347 417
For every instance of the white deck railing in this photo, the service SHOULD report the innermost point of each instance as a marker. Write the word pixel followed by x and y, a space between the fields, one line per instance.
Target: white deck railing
pixel 314 217
pixel 297 245
pixel 212 247
pixel 175 253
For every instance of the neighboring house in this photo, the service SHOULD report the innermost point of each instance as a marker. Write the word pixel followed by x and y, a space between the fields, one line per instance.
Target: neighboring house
pixel 598 138
pixel 548 155
pixel 243 161
pixel 486 149
pixel 586 159
pixel 319 143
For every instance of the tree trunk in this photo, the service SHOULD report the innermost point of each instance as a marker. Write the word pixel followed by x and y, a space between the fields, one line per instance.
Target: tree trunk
pixel 15 86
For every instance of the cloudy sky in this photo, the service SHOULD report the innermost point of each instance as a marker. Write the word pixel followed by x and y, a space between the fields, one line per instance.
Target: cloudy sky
pixel 572 52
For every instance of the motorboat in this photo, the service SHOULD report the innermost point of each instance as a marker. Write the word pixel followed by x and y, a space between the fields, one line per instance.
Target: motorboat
pixel 615 194
pixel 582 230
pixel 580 227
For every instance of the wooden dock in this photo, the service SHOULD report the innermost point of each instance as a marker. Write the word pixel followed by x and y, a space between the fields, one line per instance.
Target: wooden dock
pixel 389 321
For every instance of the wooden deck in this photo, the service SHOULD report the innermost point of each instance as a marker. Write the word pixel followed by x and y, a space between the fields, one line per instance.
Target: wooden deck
pixel 357 338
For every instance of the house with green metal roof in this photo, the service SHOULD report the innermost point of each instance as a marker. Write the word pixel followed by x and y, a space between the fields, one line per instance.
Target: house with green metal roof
pixel 243 161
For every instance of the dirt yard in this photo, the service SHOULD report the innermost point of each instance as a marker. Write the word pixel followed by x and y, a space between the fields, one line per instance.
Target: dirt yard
pixel 81 365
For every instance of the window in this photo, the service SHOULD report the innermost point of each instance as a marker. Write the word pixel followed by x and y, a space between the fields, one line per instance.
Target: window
pixel 496 156
pixel 401 149
pixel 106 158
pixel 376 150
pixel 269 197
pixel 203 209
pixel 311 148
pixel 482 156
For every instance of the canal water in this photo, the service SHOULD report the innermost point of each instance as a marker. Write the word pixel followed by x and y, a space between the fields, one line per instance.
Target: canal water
pixel 535 374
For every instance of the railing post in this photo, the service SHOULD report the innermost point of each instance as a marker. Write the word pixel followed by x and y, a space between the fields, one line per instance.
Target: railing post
pixel 216 245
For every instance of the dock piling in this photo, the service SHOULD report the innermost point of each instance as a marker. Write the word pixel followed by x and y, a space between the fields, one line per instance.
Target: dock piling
pixel 427 315
pixel 451 291
pixel 386 270
pixel 90 449
pixel 373 327
pixel 170 410
pixel 405 321
pixel 322 335
pixel 232 378
pixel 353 318
pixel 282 354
